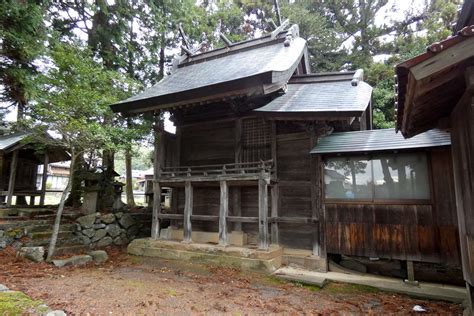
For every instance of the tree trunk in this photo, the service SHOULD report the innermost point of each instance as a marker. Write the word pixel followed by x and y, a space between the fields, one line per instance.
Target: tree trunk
pixel 57 221
pixel 128 180
pixel 74 198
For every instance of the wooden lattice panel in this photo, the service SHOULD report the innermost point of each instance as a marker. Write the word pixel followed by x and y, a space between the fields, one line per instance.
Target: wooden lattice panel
pixel 255 140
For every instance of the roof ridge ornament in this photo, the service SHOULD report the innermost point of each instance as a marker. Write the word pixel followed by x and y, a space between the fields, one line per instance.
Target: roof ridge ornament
pixel 293 32
pixel 358 76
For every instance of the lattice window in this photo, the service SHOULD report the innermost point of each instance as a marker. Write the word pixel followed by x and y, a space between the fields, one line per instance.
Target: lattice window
pixel 256 143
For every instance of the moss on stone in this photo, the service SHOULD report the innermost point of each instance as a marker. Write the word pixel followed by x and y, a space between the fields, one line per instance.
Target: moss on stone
pixel 18 303
pixel 13 233
pixel 346 288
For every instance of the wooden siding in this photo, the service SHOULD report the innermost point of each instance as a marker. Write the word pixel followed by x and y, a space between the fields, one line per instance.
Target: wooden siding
pixel 294 182
pixel 426 233
pixel 207 143
pixel 462 120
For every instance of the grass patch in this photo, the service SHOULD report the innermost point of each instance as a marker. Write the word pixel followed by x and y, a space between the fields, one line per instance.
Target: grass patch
pixel 272 280
pixel 346 288
pixel 18 303
pixel 310 287
pixel 135 259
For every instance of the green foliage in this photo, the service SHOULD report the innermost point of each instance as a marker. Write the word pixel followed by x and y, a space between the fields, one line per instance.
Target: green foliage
pixel 323 39
pixel 73 97
pixel 380 75
pixel 18 303
pixel 21 37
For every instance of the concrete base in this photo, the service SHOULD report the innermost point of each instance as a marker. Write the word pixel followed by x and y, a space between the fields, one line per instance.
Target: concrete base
pixel 235 238
pixel 424 290
pixel 304 259
pixel 239 257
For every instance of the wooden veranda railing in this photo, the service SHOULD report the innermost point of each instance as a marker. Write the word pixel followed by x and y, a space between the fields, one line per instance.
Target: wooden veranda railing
pixel 239 170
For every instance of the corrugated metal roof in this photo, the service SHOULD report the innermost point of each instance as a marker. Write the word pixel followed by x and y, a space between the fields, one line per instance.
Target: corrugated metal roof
pixel 273 57
pixel 324 96
pixel 7 141
pixel 379 140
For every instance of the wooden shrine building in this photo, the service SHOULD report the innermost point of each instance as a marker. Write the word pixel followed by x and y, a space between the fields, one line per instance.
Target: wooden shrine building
pixel 436 89
pixel 19 163
pixel 239 165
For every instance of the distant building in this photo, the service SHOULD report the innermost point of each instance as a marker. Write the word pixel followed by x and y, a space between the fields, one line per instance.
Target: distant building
pixel 58 176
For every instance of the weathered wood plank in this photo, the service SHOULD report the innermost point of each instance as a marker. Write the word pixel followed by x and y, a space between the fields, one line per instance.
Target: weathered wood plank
pixel 242 219
pixel 274 214
pixel 12 180
pixel 262 214
pixel 223 213
pixel 237 206
pixel 205 218
pixel 157 164
pixel 44 178
pixel 188 211
pixel 293 220
pixel 170 216
pixel 462 135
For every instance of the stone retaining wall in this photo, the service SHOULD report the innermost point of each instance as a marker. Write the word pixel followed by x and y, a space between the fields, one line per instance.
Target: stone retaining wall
pixel 104 229
pixel 12 236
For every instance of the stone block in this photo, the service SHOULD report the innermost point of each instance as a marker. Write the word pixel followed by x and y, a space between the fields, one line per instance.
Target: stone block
pixel 104 242
pixel 99 234
pixel 89 232
pixel 126 221
pixel 86 221
pixel 35 254
pixel 113 230
pixel 89 204
pixel 120 240
pixel 108 218
pixel 73 261
pixel 132 230
pixel 99 256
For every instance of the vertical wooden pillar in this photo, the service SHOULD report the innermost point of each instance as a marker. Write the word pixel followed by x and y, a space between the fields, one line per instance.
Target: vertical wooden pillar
pixel 237 191
pixel 223 213
pixel 262 214
pixel 275 235
pixel 237 206
pixel 275 192
pixel 44 179
pixel 317 203
pixel 11 182
pixel 188 211
pixel 157 164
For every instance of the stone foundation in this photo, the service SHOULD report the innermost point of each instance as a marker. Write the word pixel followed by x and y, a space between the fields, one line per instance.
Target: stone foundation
pixel 235 238
pixel 304 259
pixel 239 257
pixel 101 230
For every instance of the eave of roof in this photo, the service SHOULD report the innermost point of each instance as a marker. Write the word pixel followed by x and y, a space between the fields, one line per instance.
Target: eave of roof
pixel 11 140
pixel 323 95
pixel 403 70
pixel 231 74
pixel 379 140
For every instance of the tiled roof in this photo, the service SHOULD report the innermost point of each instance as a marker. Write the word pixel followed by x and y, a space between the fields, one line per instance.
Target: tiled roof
pixel 8 141
pixel 321 93
pixel 379 140
pixel 270 57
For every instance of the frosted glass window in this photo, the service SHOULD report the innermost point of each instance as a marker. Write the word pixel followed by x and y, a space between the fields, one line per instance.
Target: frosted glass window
pixel 401 176
pixel 348 178
pixel 379 177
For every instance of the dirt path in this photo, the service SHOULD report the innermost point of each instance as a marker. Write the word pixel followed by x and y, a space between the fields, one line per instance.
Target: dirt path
pixel 133 285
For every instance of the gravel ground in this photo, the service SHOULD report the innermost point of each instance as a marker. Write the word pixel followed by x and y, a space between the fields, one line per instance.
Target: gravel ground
pixel 135 285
